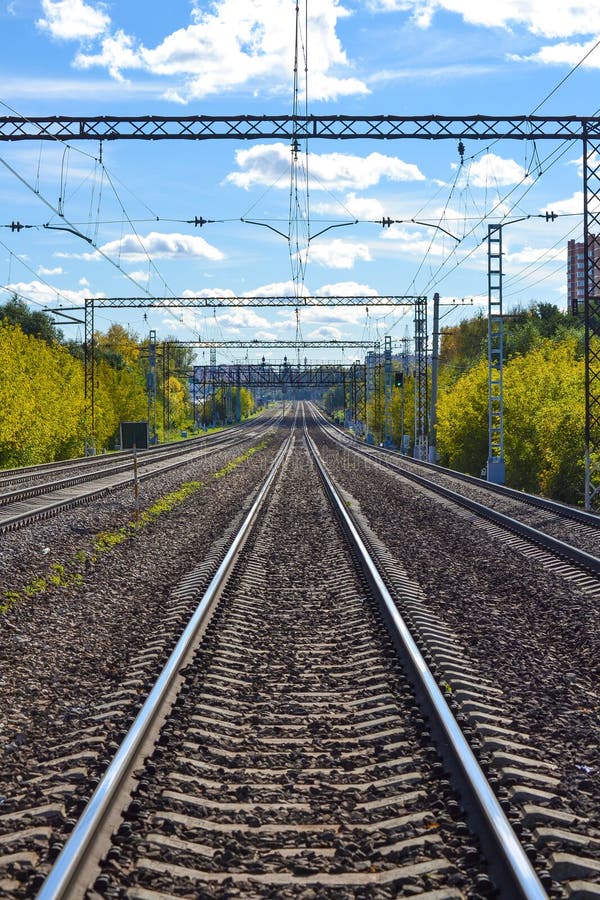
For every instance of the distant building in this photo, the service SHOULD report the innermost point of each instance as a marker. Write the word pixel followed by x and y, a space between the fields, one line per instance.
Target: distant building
pixel 576 271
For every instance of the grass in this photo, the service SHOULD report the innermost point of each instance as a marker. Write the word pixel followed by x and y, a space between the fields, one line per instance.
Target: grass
pixel 60 575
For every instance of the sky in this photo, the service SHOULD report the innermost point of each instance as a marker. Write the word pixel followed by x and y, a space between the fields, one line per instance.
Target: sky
pixel 131 202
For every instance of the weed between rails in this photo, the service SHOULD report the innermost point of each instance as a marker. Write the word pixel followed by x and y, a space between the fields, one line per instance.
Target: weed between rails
pixel 72 572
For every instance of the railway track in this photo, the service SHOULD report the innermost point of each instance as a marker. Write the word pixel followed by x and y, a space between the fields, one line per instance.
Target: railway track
pixel 530 528
pixel 30 495
pixel 295 696
pixel 283 751
pixel 578 527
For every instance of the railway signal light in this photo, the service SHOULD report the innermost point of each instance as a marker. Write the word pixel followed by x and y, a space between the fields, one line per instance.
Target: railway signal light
pixel 398 379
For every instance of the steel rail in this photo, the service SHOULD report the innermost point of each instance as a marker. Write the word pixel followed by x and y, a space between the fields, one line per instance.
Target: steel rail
pixel 560 509
pixel 566 551
pixel 51 507
pixel 113 467
pixel 516 876
pixel 72 857
pixel 38 470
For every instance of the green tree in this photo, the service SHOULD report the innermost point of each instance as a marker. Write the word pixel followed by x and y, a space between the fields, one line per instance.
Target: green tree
pixel 463 345
pixel 38 324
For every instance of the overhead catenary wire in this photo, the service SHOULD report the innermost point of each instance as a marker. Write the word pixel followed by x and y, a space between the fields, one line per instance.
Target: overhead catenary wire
pixel 433 283
pixel 453 253
pixel 59 209
pixel 436 280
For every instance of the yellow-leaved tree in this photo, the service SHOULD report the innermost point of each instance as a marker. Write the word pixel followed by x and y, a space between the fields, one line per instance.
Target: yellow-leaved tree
pixel 544 422
pixel 462 416
pixel 41 400
pixel 544 414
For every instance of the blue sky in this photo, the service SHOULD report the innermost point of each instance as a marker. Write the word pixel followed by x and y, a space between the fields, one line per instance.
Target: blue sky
pixel 132 199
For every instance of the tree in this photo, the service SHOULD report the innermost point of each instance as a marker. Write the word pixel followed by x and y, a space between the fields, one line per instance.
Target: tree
pixel 16 312
pixel 543 419
pixel 463 345
pixel 41 400
pixel 119 347
pixel 462 411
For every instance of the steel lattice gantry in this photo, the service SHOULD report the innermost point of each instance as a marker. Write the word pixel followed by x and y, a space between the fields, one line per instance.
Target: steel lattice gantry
pixel 244 302
pixel 421 387
pixel 419 302
pixel 377 127
pixel 300 127
pixel 212 346
pixel 273 344
pixel 281 375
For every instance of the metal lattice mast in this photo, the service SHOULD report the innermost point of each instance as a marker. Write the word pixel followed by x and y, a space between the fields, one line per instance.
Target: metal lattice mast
pixel 238 399
pixel 591 228
pixel 369 389
pixel 299 215
pixel 495 463
pixel 89 378
pixel 377 389
pixel 420 431
pixel 388 425
pixel 166 367
pixel 151 386
pixel 435 362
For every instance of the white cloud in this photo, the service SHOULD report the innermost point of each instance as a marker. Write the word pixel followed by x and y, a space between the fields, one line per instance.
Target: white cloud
pixel 417 242
pixel 491 170
pixel 573 204
pixel 140 275
pixel 118 53
pixel 326 315
pixel 432 73
pixel 363 208
pixel 73 20
pixel 137 248
pixel 339 254
pixel 267 164
pixel 232 44
pixel 209 292
pixel 47 295
pixel 541 255
pixel 241 318
pixel 565 53
pixel 265 336
pixel 549 18
pixel 77 88
pixel 57 270
pixel 346 289
pixel 276 289
pixel 325 333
